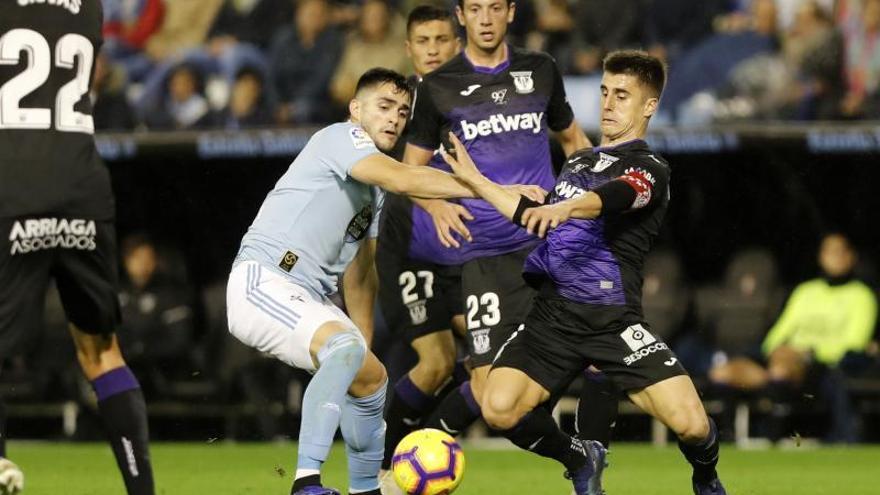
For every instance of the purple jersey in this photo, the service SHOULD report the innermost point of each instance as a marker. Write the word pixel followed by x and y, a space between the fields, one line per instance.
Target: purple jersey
pixel 503 116
pixel 598 262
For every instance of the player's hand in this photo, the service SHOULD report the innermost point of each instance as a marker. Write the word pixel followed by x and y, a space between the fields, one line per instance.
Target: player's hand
pixel 539 220
pixel 448 218
pixel 462 164
pixel 535 193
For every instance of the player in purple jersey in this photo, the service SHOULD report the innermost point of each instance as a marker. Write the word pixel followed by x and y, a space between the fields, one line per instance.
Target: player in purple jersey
pixel 599 223
pixel 503 102
pixel 56 217
pixel 420 299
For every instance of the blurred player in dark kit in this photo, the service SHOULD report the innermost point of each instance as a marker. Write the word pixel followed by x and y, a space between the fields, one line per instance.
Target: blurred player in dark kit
pixel 57 211
pixel 420 299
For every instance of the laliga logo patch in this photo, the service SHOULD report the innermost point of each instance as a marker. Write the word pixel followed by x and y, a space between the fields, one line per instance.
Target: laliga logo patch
pixel 523 82
pixel 360 139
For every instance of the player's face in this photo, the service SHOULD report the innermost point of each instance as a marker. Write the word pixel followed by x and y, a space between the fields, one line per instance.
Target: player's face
pixel 626 107
pixel 382 112
pixel 485 22
pixel 430 44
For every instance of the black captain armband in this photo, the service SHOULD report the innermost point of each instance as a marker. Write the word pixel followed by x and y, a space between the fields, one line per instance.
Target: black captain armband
pixel 617 196
pixel 524 204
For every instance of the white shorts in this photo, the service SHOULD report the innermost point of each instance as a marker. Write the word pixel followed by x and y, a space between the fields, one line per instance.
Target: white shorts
pixel 272 314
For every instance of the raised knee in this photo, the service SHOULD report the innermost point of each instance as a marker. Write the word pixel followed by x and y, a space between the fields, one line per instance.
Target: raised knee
pixel 694 428
pixel 349 344
pixel 368 382
pixel 500 412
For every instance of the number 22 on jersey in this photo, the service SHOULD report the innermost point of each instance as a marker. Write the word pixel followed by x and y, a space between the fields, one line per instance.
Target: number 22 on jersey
pixel 39 64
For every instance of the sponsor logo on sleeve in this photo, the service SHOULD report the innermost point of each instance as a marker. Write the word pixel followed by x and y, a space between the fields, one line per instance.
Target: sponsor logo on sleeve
pixel 642 182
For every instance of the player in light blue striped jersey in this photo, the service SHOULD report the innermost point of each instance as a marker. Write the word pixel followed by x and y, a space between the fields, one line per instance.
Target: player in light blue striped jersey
pixel 318 223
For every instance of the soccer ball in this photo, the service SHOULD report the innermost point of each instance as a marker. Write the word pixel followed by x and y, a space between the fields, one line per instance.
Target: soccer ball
pixel 428 462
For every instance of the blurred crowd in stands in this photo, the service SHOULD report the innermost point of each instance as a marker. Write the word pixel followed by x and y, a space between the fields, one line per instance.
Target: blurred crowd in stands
pixel 197 64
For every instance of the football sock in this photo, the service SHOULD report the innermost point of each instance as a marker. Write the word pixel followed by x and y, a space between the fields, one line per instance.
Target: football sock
pixel 596 409
pixel 703 456
pixel 339 360
pixel 539 433
pixel 457 411
pixel 406 406
pixel 124 413
pixel 364 433
pixel 460 373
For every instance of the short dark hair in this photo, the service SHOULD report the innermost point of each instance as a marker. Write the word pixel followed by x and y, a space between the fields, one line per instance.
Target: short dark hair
pixel 461 3
pixel 428 13
pixel 648 69
pixel 380 75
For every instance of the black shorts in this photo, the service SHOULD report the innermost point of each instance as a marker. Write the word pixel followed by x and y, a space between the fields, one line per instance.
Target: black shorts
pixel 417 298
pixel 497 301
pixel 556 343
pixel 80 254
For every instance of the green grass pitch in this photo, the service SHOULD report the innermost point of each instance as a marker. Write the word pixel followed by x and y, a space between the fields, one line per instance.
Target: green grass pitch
pixel 267 468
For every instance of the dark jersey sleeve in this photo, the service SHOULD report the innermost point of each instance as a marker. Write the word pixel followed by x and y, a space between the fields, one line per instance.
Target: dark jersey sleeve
pixel 559 113
pixel 639 186
pixel 426 126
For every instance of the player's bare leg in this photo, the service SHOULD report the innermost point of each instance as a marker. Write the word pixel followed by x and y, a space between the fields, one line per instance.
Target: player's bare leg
pixel 677 404
pixel 513 404
pixel 121 406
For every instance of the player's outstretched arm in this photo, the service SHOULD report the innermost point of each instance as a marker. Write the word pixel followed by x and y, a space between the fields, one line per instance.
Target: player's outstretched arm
pixel 399 178
pixel 541 219
pixel 448 217
pixel 504 199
